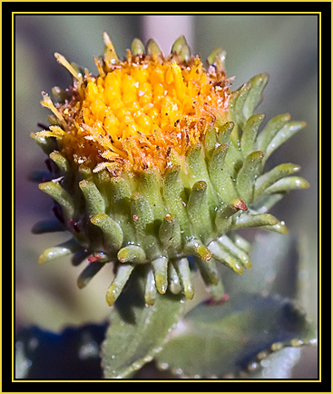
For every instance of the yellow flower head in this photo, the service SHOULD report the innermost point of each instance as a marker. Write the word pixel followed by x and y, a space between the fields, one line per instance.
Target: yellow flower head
pixel 138 112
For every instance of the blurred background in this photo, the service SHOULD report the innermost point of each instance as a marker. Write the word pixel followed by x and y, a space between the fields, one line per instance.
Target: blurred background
pixel 285 46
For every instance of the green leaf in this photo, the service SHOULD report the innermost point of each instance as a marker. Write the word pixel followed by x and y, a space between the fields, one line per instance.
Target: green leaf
pixel 137 331
pixel 225 339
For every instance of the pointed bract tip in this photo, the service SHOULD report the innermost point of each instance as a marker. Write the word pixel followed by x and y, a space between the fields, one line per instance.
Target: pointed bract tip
pixel 153 48
pixel 137 47
pixel 181 49
pixel 217 58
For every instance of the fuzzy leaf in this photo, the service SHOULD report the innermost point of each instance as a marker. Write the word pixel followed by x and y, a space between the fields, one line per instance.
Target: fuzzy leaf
pixel 137 331
pixel 225 339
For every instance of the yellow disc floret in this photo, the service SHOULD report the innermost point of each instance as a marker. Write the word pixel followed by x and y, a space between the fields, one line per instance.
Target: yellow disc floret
pixel 137 111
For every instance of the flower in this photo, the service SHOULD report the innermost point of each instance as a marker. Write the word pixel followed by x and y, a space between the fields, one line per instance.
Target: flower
pixel 138 111
pixel 155 160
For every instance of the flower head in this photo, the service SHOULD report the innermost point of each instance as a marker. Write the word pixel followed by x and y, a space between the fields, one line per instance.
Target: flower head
pixel 135 112
pixel 155 160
